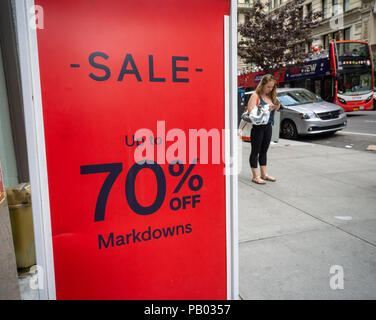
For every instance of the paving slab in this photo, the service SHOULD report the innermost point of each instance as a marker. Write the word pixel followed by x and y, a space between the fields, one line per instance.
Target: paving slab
pixel 297 266
pixel 364 229
pixel 324 163
pixel 321 212
pixel 362 179
pixel 269 217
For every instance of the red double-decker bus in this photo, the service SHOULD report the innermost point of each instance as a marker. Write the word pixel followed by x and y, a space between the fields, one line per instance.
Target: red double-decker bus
pixel 342 75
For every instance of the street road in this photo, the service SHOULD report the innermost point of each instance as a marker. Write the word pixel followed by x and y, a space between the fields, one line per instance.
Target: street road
pixel 358 135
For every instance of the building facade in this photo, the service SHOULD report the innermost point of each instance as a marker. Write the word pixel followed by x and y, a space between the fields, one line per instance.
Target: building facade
pixel 341 20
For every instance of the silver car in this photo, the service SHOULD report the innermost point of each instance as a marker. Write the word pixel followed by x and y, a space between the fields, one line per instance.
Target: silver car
pixel 304 113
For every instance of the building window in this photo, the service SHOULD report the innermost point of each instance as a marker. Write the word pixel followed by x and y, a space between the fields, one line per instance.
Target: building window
pixel 325 41
pixel 346 5
pixel 270 5
pixel 334 7
pixel 309 7
pixel 302 46
pixel 336 36
pixel 275 3
pixel 300 12
pixel 346 34
pixel 309 45
pixel 324 4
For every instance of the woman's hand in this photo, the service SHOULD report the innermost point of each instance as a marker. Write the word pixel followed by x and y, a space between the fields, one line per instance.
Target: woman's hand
pixel 274 107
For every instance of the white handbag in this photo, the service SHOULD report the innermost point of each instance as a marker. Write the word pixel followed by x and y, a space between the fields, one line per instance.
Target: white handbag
pixel 259 115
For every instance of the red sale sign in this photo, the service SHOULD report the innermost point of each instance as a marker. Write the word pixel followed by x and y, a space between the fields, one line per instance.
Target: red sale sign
pixel 132 95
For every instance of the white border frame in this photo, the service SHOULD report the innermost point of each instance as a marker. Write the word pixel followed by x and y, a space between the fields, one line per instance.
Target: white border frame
pixel 36 150
pixel 31 90
pixel 231 150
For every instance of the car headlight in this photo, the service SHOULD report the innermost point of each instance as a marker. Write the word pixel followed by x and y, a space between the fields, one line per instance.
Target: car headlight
pixel 307 115
pixel 343 101
pixel 369 98
pixel 341 111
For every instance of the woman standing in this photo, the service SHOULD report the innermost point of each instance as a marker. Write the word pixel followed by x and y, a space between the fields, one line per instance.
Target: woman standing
pixel 266 93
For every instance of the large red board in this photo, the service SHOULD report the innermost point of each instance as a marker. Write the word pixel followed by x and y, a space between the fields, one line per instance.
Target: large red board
pixel 90 107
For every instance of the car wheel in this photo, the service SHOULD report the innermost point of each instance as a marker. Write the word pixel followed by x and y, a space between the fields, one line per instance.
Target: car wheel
pixel 288 130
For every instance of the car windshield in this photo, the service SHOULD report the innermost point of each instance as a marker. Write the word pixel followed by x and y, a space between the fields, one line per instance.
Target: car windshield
pixel 296 97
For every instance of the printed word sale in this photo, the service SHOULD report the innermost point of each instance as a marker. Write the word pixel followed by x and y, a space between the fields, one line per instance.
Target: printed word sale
pixel 129 68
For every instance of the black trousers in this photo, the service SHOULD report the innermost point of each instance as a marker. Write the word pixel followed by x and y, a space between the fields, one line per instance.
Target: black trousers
pixel 260 140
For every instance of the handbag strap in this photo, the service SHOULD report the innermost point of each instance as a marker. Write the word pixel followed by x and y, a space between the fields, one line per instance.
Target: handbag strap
pixel 258 99
pixel 245 123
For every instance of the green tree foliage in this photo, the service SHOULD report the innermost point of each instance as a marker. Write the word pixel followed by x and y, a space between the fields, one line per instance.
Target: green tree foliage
pixel 271 38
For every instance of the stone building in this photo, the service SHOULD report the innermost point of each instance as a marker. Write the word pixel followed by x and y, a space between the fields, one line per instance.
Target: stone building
pixel 342 20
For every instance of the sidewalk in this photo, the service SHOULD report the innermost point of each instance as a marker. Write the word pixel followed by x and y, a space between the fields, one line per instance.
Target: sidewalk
pixel 321 212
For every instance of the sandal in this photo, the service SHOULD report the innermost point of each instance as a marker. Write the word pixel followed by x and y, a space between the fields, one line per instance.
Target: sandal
pixel 269 178
pixel 258 180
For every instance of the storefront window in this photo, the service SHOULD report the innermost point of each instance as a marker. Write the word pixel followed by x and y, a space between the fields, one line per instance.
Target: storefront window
pixel 6 140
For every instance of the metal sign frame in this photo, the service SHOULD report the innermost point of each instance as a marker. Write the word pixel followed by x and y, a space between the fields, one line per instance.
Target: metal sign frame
pixel 32 99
